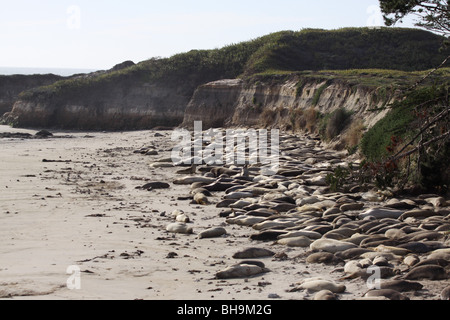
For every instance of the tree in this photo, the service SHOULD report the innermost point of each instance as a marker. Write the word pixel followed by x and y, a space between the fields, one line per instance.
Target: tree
pixel 434 15
pixel 430 142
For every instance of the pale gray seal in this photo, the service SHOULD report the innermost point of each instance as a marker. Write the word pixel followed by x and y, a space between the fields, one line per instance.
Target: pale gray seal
pixel 316 285
pixel 352 253
pixel 212 233
pixel 300 241
pixel 241 271
pixel 388 293
pixel 325 295
pixel 191 170
pixel 445 294
pixel 201 198
pixel 179 227
pixel 323 257
pixel 380 213
pixel 331 245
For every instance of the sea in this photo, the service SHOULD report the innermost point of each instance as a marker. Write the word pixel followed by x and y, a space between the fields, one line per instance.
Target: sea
pixel 29 71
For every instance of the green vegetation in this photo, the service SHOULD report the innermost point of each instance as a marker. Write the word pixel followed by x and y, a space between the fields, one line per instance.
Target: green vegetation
pixel 319 92
pixel 338 178
pixel 278 53
pixel 420 120
pixel 332 124
pixel 401 123
pixel 395 124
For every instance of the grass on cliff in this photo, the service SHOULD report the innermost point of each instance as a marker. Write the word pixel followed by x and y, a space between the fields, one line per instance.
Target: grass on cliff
pixel 403 121
pixel 282 52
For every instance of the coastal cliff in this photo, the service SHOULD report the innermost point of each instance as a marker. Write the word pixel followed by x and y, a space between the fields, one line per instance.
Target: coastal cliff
pixel 175 90
pixel 114 107
pixel 247 103
pixel 11 86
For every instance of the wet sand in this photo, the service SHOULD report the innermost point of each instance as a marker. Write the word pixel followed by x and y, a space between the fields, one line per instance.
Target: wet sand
pixel 81 208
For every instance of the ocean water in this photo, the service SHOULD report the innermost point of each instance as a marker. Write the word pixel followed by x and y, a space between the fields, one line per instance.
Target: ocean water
pixel 56 71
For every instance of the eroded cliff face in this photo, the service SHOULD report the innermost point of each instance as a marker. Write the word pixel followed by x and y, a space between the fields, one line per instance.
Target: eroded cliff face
pixel 274 103
pixel 113 107
pixel 266 102
pixel 12 86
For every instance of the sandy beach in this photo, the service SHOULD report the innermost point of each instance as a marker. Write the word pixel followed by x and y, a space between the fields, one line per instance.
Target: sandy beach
pixel 71 201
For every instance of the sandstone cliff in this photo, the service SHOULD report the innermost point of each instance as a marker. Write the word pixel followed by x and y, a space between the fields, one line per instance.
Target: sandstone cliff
pixel 275 102
pixel 12 86
pixel 113 107
pixel 163 91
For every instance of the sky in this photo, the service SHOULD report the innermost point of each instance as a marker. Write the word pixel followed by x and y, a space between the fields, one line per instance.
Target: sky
pixel 99 34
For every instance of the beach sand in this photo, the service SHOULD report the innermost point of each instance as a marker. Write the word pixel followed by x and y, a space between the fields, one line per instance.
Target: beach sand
pixel 81 208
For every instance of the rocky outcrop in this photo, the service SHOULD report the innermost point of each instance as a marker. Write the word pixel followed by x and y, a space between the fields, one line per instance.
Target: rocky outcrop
pixel 12 86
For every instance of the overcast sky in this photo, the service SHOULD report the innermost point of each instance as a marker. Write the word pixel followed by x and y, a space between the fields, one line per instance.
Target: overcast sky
pixel 98 34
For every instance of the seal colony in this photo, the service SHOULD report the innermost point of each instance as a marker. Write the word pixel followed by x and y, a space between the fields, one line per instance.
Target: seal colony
pixel 139 226
pixel 364 233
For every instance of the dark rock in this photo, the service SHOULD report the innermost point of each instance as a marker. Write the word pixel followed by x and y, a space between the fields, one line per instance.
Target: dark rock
pixel 44 134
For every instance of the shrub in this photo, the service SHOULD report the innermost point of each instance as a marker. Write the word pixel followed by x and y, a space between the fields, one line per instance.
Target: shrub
pixel 267 117
pixel 354 134
pixel 311 117
pixel 334 123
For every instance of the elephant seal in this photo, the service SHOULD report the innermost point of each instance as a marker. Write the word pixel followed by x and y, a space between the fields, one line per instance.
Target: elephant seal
pixel 401 285
pixel 192 179
pixel 301 241
pixel 445 294
pixel 251 253
pixel 238 195
pixel 316 285
pixel 245 221
pixel 440 262
pixel 415 247
pixel 388 293
pixel 331 245
pixel 323 257
pixel 183 218
pixel 380 213
pixel 429 272
pixel 269 235
pixel 411 260
pixel 212 233
pixel 325 295
pixel 352 253
pixel 155 185
pixel 201 198
pixel 225 203
pixel 220 171
pixel 241 271
pixel 201 190
pixel 309 234
pixel 354 270
pixel 179 227
pixel 252 262
pixel 191 170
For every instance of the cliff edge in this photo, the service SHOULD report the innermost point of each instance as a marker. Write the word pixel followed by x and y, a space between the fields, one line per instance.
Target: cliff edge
pixel 175 90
